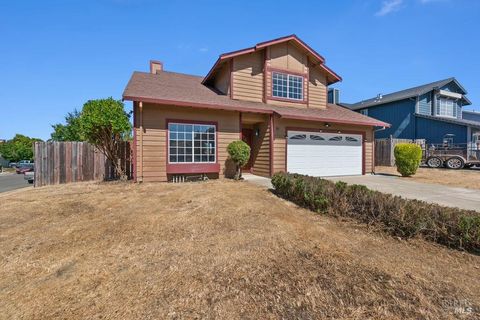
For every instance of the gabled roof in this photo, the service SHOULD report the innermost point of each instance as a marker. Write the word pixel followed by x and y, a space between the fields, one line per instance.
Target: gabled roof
pixel 407 93
pixel 176 89
pixel 315 56
pixel 462 122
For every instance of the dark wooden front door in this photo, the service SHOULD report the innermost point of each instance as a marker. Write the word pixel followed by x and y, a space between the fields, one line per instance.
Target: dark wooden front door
pixel 247 137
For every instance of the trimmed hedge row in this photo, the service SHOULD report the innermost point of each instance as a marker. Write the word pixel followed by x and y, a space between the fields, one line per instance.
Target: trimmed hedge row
pixel 404 218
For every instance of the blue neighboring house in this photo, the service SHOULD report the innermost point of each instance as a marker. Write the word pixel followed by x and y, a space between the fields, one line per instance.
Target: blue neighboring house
pixel 471 115
pixel 431 111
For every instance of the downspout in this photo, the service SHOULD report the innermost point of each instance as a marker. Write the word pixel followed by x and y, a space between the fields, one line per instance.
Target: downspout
pixel 417 110
pixel 272 137
pixel 140 109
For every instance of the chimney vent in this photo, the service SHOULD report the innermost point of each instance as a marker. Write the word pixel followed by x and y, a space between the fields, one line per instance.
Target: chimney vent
pixel 156 66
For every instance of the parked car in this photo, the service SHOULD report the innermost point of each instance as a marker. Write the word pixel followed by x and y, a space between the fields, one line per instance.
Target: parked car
pixel 19 163
pixel 29 176
pixel 12 164
pixel 25 167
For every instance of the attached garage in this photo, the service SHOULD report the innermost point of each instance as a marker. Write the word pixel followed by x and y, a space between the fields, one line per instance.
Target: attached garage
pixel 324 154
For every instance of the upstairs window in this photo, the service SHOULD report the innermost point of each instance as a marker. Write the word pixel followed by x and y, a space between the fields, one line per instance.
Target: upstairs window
pixel 446 107
pixel 287 86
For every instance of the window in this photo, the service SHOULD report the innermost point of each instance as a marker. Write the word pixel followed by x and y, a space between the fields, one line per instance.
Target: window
pixel 298 137
pixel 191 143
pixel 336 138
pixel 364 112
pixel 315 137
pixel 351 139
pixel 287 86
pixel 446 107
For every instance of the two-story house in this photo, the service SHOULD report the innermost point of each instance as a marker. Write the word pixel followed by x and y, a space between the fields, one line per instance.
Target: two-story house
pixel 273 96
pixel 431 111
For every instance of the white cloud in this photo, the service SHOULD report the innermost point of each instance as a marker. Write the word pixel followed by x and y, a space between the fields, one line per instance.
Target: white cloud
pixel 389 6
pixel 431 1
pixel 203 49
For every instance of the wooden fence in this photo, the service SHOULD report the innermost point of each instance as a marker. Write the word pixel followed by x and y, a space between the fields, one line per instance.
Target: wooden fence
pixel 384 150
pixel 64 162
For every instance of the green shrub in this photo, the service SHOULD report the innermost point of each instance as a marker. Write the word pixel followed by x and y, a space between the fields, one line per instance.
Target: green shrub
pixel 239 152
pixel 400 217
pixel 407 158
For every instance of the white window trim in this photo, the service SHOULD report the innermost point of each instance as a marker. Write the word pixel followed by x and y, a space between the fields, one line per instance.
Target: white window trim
pixel 288 76
pixel 193 124
pixel 438 107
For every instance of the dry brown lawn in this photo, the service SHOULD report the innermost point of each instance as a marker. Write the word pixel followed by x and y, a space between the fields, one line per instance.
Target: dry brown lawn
pixel 466 178
pixel 218 249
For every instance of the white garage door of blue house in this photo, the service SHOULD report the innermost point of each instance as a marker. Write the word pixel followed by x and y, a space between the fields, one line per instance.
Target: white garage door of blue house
pixel 324 154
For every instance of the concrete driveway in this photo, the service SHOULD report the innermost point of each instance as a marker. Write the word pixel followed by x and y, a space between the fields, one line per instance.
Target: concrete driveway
pixel 12 181
pixel 433 193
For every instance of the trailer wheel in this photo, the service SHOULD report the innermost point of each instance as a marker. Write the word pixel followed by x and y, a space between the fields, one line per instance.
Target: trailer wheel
pixel 434 162
pixel 455 163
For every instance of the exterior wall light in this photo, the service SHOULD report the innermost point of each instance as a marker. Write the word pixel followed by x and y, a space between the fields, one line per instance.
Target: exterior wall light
pixel 327 124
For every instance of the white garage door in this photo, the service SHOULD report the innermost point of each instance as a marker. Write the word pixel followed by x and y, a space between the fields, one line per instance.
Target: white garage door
pixel 324 154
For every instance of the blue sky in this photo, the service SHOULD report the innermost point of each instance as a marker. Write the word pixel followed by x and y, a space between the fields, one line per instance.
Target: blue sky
pixel 55 55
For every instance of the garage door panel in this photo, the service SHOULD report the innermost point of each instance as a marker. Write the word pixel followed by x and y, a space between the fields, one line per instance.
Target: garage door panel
pixel 324 154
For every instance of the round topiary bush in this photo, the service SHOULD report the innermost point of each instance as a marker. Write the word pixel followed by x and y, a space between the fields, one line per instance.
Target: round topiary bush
pixel 239 152
pixel 407 158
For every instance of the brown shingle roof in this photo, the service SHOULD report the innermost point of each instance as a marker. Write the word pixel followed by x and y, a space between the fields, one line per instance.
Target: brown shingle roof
pixel 187 90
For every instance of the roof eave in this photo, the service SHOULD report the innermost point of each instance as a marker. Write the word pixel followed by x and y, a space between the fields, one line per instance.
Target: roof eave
pixel 262 45
pixel 333 120
pixel 194 104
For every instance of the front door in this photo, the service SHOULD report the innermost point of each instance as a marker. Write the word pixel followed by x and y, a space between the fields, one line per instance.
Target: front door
pixel 247 137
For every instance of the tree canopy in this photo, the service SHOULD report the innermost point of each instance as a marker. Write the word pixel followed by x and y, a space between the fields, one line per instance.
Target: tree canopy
pixel 70 131
pixel 105 124
pixel 18 148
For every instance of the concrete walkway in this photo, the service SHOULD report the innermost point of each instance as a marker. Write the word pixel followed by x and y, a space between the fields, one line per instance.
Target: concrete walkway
pixel 433 193
pixel 258 180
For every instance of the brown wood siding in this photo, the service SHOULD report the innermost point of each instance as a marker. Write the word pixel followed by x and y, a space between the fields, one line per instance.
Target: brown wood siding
pixel 155 137
pixel 251 76
pixel 222 79
pixel 261 149
pixel 281 125
pixel 288 57
pixel 247 77
pixel 317 89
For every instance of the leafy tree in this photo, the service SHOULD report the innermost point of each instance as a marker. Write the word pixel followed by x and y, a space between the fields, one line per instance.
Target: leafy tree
pixel 18 148
pixel 407 158
pixel 239 152
pixel 70 131
pixel 105 124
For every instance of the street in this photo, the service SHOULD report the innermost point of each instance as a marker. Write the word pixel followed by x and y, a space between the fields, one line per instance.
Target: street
pixel 12 181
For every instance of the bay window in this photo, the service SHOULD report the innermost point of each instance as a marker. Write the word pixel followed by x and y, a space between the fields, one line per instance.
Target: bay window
pixel 191 143
pixel 287 86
